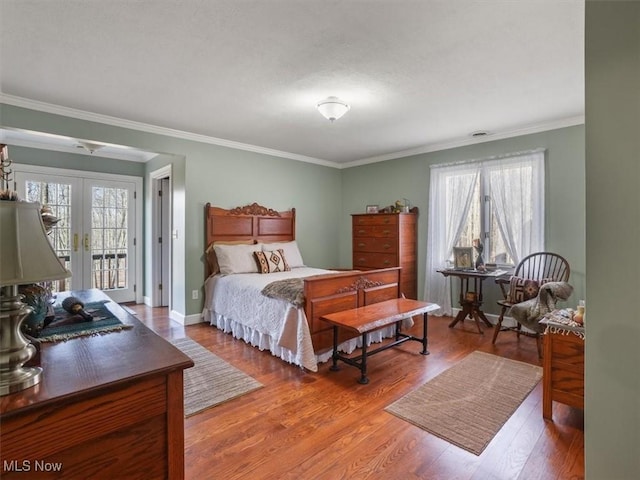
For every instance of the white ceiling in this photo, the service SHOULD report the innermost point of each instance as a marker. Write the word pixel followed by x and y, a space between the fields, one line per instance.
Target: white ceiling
pixel 419 75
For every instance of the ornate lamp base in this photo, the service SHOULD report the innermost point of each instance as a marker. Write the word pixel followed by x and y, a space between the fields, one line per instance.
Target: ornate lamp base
pixel 15 350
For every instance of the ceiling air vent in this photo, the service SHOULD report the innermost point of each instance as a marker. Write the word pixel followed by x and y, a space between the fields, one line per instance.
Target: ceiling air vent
pixel 479 133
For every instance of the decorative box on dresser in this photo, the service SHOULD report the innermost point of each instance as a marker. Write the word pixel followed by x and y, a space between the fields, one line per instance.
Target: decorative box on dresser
pixel 382 240
pixel 108 406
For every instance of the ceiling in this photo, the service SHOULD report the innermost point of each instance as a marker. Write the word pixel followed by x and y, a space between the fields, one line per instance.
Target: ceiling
pixel 418 75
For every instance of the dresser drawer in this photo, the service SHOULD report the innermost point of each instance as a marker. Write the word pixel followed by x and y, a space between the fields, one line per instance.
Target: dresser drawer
pixel 375 231
pixel 568 349
pixel 374 244
pixel 374 260
pixel 378 219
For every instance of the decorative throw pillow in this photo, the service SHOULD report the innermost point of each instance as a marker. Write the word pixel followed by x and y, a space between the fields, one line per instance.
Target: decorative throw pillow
pixel 291 251
pixel 272 261
pixel 522 289
pixel 236 258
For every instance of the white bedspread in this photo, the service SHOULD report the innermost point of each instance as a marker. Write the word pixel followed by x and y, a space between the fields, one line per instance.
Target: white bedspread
pixel 235 304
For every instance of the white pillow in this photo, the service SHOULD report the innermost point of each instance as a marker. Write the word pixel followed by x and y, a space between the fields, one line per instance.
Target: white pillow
pixel 291 252
pixel 237 258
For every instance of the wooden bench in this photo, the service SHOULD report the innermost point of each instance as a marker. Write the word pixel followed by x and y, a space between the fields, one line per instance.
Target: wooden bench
pixel 373 317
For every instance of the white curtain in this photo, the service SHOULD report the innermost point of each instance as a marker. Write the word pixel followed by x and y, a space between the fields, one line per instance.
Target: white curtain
pixel 516 186
pixel 450 193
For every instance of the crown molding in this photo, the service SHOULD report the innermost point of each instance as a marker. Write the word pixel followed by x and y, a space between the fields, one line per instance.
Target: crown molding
pixel 144 127
pixel 119 122
pixel 435 147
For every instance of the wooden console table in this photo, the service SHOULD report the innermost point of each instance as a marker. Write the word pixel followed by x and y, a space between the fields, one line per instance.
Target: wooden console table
pixel 471 299
pixel 562 367
pixel 363 320
pixel 108 406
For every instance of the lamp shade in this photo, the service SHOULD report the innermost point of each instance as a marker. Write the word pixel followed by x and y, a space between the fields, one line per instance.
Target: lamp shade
pixel 26 256
pixel 332 108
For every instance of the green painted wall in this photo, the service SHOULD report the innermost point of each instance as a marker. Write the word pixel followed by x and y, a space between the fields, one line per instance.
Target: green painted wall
pixel 384 183
pixel 72 161
pixel 612 391
pixel 223 176
pixel 178 287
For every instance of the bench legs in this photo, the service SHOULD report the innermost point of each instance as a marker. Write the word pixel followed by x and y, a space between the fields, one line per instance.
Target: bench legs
pixel 361 361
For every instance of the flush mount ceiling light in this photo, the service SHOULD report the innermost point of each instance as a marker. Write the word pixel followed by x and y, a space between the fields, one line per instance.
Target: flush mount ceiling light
pixel 89 146
pixel 332 108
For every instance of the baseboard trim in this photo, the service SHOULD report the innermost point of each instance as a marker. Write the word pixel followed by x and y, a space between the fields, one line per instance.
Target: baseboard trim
pixel 185 320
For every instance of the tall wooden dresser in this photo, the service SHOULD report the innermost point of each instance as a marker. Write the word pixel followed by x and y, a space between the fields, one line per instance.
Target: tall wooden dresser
pixel 382 240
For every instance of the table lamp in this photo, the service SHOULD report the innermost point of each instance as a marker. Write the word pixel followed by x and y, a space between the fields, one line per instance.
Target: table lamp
pixel 26 256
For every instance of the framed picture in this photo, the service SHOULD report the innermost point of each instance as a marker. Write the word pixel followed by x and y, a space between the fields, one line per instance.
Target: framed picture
pixel 372 208
pixel 463 257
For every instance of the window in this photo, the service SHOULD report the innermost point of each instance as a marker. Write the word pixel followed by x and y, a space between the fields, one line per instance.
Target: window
pixel 499 201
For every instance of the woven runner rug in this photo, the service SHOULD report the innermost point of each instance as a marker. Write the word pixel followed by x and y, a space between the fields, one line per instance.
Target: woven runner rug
pixel 467 404
pixel 211 380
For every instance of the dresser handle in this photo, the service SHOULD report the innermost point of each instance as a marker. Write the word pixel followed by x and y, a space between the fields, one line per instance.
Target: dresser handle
pixel 386 220
pixel 362 245
pixel 386 246
pixel 386 232
pixel 361 260
pixel 362 231
pixel 387 262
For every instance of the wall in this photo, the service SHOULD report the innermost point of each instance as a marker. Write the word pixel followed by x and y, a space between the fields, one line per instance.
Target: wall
pixel 384 183
pixel 209 173
pixel 612 391
pixel 73 161
pixel 177 163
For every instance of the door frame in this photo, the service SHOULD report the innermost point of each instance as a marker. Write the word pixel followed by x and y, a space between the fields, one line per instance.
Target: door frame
pixel 155 180
pixel 137 200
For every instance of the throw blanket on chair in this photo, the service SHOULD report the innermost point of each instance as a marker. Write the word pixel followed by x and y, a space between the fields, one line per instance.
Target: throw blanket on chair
pixel 290 289
pixel 529 312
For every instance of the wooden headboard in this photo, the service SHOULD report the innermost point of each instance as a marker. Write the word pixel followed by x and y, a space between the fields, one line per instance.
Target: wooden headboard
pixel 251 222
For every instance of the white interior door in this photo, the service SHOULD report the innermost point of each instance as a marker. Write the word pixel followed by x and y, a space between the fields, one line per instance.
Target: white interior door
pixel 96 235
pixel 165 244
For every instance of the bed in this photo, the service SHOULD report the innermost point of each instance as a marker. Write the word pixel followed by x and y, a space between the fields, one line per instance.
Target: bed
pixel 289 326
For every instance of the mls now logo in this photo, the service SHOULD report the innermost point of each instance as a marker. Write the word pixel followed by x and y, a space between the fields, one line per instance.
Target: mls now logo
pixel 28 466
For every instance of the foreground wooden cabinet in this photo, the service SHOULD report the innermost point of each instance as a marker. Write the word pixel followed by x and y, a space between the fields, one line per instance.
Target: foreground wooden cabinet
pixel 563 370
pixel 382 240
pixel 109 406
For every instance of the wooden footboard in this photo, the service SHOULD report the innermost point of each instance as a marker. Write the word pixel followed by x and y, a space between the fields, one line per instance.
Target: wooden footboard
pixel 326 294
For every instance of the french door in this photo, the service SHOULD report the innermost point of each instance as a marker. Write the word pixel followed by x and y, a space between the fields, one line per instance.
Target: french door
pixel 96 233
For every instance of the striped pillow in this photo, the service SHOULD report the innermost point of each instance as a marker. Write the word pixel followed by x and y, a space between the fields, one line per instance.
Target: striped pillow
pixel 522 289
pixel 271 261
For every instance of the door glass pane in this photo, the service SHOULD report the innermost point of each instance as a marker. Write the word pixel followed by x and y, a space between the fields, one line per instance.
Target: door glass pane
pixel 109 238
pixel 58 197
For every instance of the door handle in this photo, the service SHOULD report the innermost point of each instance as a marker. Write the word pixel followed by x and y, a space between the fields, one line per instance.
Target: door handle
pixel 75 242
pixel 86 242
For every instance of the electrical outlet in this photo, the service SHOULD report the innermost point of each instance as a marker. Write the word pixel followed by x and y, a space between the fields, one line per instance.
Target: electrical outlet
pixel 194 294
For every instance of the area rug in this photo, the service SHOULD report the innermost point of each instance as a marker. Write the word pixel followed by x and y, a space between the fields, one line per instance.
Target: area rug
pixel 66 326
pixel 211 380
pixel 467 404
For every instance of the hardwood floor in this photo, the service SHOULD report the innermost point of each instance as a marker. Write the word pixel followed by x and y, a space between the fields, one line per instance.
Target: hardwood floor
pixel 327 426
